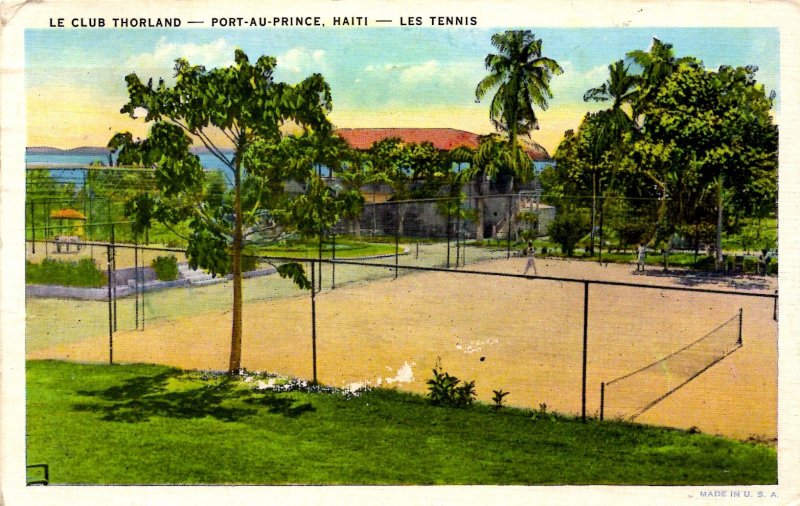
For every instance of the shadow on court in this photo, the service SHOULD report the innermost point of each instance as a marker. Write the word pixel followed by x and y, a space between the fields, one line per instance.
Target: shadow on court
pixel 694 278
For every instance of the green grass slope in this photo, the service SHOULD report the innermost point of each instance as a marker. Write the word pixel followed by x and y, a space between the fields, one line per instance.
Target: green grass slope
pixel 142 424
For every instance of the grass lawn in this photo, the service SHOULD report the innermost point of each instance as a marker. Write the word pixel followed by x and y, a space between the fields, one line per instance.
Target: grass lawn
pixel 345 248
pixel 143 424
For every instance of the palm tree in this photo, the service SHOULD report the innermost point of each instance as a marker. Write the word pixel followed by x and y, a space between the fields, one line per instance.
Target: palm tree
pixel 658 63
pixel 621 89
pixel 358 172
pixel 521 76
pixel 491 156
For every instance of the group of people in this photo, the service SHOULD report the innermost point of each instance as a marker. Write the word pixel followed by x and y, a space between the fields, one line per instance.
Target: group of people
pixel 641 253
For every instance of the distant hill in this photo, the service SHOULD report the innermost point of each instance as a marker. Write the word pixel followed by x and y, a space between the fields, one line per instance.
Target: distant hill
pixel 85 150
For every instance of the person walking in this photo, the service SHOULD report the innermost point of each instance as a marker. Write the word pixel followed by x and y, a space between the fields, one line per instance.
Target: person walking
pixel 641 252
pixel 530 252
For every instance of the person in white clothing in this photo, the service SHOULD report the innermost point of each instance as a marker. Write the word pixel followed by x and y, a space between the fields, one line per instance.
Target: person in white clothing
pixel 530 252
pixel 641 251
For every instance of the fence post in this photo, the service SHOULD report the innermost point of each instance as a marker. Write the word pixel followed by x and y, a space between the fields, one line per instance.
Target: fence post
pixel 447 234
pixel 741 312
pixel 313 324
pixel 33 227
pixel 396 248
pixel 508 232
pixel 136 277
pixel 458 233
pixel 602 399
pixel 109 255
pixel 114 266
pixel 585 342
pixel 320 260
pixel 333 262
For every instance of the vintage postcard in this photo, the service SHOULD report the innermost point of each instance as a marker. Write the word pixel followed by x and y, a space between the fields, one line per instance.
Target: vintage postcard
pixel 350 252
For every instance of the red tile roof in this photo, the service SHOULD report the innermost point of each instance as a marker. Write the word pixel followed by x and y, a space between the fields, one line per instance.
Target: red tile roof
pixel 442 138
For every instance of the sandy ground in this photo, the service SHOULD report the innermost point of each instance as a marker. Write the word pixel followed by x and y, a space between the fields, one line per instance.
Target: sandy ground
pixel 524 336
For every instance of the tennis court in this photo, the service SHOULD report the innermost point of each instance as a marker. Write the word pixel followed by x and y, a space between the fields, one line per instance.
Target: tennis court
pixel 522 335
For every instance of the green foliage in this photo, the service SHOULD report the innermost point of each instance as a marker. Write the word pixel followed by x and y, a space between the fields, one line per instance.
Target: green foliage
pixel 567 228
pixel 248 107
pixel 250 260
pixel 296 273
pixel 447 390
pixel 521 77
pixel 83 273
pixel 322 438
pixel 498 398
pixel 166 268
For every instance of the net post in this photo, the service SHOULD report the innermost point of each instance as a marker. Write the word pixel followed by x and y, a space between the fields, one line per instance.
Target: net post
pixel 110 308
pixel 739 342
pixel 333 264
pixel 585 342
pixel 602 399
pixel 313 323
pixel 775 307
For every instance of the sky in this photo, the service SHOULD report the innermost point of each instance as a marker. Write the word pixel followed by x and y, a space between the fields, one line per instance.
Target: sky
pixel 379 77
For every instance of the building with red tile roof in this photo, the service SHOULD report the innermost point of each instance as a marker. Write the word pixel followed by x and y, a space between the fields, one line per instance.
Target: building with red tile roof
pixel 445 139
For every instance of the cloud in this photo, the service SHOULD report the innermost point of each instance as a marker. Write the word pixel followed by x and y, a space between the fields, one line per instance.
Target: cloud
pixel 214 54
pixel 426 72
pixel 574 82
pixel 301 60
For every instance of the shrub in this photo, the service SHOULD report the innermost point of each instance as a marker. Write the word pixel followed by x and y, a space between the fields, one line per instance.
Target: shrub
pixel 705 263
pixel 750 264
pixel 446 391
pixel 84 273
pixel 566 229
pixel 166 268
pixel 498 397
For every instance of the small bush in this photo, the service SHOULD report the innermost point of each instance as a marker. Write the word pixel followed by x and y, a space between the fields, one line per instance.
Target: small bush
pixel 166 268
pixel 446 391
pixel 567 228
pixel 83 273
pixel 498 397
pixel 705 263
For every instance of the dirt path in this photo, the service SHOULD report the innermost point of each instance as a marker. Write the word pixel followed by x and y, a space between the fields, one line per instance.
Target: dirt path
pixel 524 336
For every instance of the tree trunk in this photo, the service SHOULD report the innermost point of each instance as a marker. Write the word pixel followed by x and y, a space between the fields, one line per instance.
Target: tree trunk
pixel 594 204
pixel 479 211
pixel 235 363
pixel 357 227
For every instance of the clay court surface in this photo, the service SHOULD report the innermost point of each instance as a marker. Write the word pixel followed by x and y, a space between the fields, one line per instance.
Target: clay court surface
pixel 524 336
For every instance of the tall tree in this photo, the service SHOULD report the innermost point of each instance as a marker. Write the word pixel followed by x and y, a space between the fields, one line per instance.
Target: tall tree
pixel 656 64
pixel 246 107
pixel 358 171
pixel 709 135
pixel 521 76
pixel 621 89
pixel 485 162
pixel 414 171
